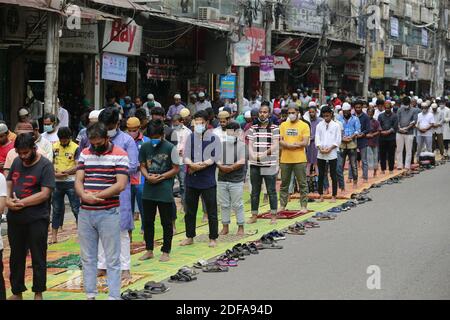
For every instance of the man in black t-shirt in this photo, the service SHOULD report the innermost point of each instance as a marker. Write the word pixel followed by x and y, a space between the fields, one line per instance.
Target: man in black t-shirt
pixel 31 180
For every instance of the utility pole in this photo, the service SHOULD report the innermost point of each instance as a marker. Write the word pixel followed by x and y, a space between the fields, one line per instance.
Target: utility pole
pixel 268 26
pixel 323 53
pixel 367 56
pixel 437 87
pixel 52 63
pixel 240 93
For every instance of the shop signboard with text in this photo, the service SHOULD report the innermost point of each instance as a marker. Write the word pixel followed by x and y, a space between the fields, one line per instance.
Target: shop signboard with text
pixel 122 37
pixel 228 86
pixel 114 67
pixel 242 53
pixel 282 63
pixel 257 38
pixel 266 69
pixel 377 65
pixel 303 16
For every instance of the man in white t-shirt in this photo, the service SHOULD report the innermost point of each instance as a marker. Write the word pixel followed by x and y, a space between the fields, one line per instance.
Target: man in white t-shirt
pixel 425 124
pixel 51 128
pixel 2 208
pixel 63 115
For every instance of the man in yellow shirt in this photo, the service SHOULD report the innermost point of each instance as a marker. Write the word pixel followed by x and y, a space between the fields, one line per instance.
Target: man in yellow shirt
pixel 66 153
pixel 294 135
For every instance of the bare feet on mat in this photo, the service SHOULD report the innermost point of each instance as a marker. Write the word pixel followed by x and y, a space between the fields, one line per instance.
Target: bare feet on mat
pixel 187 242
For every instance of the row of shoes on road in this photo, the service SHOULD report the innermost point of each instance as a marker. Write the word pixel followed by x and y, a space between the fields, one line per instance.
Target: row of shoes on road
pixel 299 228
pixel 150 289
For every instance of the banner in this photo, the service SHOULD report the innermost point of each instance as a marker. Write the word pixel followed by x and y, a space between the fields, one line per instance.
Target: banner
pixel 397 69
pixel 303 16
pixel 114 67
pixel 228 86
pixel 424 37
pixel 282 63
pixel 257 38
pixel 266 69
pixel 377 65
pixel 242 54
pixel 123 38
pixel 394 27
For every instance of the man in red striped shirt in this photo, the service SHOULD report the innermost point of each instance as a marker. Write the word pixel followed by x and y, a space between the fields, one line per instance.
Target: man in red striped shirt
pixel 102 175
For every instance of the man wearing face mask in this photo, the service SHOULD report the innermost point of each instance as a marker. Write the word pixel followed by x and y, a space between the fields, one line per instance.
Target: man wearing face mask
pixel 202 151
pixel 66 156
pixel 389 126
pixel 51 128
pixel 295 137
pixel 351 130
pixel 407 118
pixel 137 183
pixel 109 117
pixel 232 172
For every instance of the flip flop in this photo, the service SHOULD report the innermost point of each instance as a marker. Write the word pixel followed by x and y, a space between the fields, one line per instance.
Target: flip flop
pixel 136 295
pixel 188 271
pixel 318 215
pixel 327 217
pixel 311 224
pixel 295 230
pixel 181 277
pixel 335 210
pixel 253 248
pixel 200 264
pixel 156 287
pixel 251 232
pixel 226 262
pixel 215 268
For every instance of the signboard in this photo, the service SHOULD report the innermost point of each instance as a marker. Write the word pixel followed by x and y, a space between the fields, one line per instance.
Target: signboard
pixel 114 67
pixel 257 38
pixel 394 27
pixel 228 86
pixel 84 40
pixel 266 69
pixel 377 65
pixel 242 53
pixel 283 63
pixel 397 69
pixel 303 16
pixel 123 38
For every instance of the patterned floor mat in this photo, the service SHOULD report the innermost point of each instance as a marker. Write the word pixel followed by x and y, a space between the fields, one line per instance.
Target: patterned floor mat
pixel 283 214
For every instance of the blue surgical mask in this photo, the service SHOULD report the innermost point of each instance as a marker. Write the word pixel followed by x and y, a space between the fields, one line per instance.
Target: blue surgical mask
pixel 155 142
pixel 199 128
pixel 48 128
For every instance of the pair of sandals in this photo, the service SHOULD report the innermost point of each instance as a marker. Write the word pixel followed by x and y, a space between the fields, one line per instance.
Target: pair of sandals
pixel 156 287
pixel 324 216
pixel 184 274
pixel 348 205
pixel 296 229
pixel 276 235
pixel 309 224
pixel 215 267
pixel 268 242
pixel 136 295
pixel 246 249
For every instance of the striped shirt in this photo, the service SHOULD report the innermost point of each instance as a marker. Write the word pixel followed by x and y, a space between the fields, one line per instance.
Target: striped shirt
pixel 100 173
pixel 262 139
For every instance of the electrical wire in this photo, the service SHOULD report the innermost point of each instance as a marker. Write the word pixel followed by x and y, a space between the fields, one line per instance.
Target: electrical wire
pixel 173 42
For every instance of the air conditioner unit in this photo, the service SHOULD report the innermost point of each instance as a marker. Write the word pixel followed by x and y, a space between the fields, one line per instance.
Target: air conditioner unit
pixel 228 19
pixel 422 54
pixel 408 10
pixel 413 52
pixel 404 51
pixel 430 4
pixel 385 12
pixel 388 51
pixel 13 23
pixel 208 13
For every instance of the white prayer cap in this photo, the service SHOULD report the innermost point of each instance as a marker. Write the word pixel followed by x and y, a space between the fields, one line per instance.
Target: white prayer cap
pixel 334 95
pixel 247 114
pixel 419 101
pixel 312 104
pixel 434 105
pixel 177 96
pixel 338 107
pixel 201 95
pixel 150 96
pixel 346 106
pixel 94 114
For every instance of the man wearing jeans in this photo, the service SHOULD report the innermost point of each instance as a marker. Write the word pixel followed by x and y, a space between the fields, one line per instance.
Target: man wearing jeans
pixel 201 153
pixel 407 118
pixel 352 128
pixel 230 186
pixel 362 139
pixel 263 140
pixel 101 176
pixel 295 136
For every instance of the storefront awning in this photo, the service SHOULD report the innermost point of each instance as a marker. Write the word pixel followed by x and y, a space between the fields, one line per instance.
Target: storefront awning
pixel 93 14
pixel 125 4
pixel 204 24
pixel 36 4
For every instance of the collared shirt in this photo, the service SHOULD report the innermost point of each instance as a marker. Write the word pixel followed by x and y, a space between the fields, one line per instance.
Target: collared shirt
pixel 181 135
pixel 173 110
pixel 423 122
pixel 65 158
pixel 405 117
pixel 202 105
pixel 388 122
pixel 222 134
pixel 364 121
pixel 328 135
pixel 350 127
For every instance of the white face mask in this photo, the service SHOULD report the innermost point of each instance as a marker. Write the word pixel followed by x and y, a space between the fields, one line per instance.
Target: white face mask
pixel 292 117
pixel 112 133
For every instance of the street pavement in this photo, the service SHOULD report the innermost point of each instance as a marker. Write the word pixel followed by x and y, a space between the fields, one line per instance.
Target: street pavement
pixel 403 232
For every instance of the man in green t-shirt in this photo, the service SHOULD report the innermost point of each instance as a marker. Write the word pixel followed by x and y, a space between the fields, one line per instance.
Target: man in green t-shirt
pixel 159 161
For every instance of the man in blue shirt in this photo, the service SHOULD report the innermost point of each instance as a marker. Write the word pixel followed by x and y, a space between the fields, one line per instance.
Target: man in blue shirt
pixel 352 129
pixel 201 153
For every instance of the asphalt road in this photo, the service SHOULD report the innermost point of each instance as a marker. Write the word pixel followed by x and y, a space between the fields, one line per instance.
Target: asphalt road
pixel 404 232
